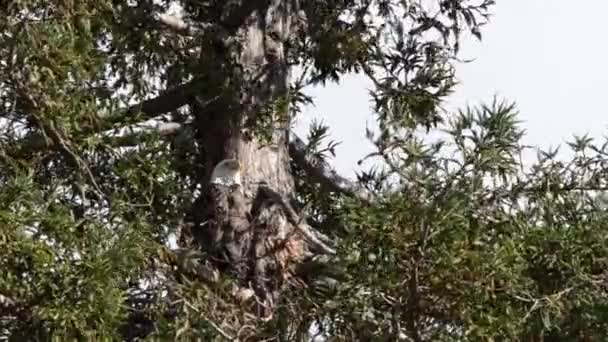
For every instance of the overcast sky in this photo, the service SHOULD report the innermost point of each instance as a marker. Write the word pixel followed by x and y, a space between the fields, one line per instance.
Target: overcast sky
pixel 549 56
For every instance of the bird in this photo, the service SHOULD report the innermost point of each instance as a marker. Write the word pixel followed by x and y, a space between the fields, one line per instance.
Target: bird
pixel 227 172
pixel 225 179
pixel 228 229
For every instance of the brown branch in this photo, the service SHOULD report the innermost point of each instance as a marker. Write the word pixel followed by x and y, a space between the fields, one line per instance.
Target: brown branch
pixel 76 160
pixel 167 101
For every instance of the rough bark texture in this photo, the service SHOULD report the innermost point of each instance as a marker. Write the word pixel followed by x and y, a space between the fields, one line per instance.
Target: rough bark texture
pixel 246 228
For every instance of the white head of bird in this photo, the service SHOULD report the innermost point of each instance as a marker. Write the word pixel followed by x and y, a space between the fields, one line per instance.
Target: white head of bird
pixel 227 172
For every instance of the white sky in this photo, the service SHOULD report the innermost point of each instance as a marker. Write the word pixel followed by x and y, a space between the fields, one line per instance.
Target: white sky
pixel 549 56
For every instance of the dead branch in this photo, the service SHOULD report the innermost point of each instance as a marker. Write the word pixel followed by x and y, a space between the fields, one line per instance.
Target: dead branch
pixel 133 135
pixel 324 174
pixel 182 27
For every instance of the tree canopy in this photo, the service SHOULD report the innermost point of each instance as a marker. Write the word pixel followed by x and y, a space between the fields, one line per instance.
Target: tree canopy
pixel 109 120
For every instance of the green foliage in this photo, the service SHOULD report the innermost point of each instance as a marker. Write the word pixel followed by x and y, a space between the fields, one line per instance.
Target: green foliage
pixel 463 242
pixel 469 244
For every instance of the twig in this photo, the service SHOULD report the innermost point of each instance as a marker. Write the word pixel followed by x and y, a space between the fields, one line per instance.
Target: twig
pixel 537 301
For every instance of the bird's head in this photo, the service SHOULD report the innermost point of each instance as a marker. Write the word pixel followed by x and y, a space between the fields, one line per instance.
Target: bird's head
pixel 227 172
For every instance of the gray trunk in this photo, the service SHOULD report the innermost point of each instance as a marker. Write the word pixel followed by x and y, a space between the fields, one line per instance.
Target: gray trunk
pixel 248 231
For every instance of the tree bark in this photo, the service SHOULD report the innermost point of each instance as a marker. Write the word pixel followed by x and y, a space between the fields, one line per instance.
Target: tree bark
pixel 248 229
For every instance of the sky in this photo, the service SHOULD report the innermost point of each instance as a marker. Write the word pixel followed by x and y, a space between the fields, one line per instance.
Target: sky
pixel 547 56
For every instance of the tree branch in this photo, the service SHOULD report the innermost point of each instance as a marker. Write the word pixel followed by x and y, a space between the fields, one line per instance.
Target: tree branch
pixel 324 174
pixel 167 101
pixel 175 98
pixel 182 27
pixel 316 238
pixel 133 135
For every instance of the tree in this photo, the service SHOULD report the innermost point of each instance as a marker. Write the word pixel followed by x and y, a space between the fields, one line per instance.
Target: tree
pixel 424 247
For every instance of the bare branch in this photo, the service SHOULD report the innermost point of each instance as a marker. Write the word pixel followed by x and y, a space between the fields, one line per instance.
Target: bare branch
pixel 324 174
pixel 167 101
pixel 180 26
pixel 133 135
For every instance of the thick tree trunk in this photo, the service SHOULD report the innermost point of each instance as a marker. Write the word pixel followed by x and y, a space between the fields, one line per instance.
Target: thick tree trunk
pixel 249 230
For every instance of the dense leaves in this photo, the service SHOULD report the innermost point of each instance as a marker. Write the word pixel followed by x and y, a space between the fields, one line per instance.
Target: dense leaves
pixel 469 243
pixel 462 240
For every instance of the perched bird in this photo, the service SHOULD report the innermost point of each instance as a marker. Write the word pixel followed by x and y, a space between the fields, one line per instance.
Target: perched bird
pixel 228 228
pixel 225 179
pixel 227 172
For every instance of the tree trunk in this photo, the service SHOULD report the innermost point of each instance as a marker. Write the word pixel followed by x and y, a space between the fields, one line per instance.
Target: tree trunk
pixel 248 230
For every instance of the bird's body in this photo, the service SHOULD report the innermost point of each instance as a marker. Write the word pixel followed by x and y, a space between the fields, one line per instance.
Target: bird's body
pixel 227 232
